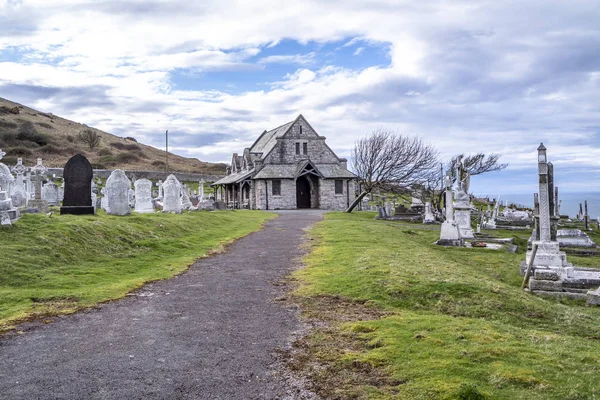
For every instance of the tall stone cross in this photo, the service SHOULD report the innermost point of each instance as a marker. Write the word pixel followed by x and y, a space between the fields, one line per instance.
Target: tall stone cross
pixel 39 174
pixel 545 230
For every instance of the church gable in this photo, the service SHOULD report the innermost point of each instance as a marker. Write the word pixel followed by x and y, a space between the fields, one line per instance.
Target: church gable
pixel 300 142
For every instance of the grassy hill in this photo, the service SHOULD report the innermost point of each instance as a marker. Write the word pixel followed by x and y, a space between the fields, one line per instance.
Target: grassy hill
pixel 31 134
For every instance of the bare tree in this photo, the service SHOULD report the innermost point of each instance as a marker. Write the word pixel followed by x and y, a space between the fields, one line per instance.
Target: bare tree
pixel 478 164
pixel 89 137
pixel 384 160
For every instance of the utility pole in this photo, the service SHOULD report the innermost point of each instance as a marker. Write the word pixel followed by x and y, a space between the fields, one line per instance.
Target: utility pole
pixel 167 151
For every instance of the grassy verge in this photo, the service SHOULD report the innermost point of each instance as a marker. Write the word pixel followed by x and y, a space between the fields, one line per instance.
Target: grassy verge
pixel 396 317
pixel 58 264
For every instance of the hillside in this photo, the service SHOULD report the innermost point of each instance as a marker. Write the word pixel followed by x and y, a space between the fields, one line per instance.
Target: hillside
pixel 31 134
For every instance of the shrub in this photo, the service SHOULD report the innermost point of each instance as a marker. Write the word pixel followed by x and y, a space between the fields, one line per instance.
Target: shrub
pixel 50 149
pixel 158 163
pixel 90 137
pixel 131 138
pixel 70 138
pixel 105 152
pixel 21 151
pixel 28 133
pixel 118 145
pixel 45 125
pixel 127 158
pixel 7 124
pixel 131 147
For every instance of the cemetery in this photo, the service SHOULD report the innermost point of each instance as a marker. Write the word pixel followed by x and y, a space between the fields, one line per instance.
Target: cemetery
pixel 402 283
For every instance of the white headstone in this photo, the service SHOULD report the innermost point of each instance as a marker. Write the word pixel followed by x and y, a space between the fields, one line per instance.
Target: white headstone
pixel 50 194
pixel 104 200
pixel 171 193
pixel 117 193
pixel 428 218
pixel 450 234
pixel 143 196
pixel 201 190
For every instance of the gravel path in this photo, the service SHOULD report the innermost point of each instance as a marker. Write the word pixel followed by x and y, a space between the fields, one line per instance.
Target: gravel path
pixel 209 333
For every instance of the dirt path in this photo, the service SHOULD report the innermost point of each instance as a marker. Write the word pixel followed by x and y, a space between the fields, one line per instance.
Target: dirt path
pixel 210 333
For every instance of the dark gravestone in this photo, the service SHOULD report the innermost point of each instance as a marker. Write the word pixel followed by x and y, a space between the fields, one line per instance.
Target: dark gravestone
pixel 78 186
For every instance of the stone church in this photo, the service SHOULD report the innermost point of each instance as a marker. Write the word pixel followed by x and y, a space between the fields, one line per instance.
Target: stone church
pixel 288 167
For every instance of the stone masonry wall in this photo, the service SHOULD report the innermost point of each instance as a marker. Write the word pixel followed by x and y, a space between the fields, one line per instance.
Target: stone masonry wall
pixel 330 200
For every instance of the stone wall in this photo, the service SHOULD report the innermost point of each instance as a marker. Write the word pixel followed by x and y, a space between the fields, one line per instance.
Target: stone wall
pixel 328 200
pixel 153 175
pixel 331 201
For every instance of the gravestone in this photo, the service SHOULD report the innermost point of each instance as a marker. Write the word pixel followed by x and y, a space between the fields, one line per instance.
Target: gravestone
pixel 186 202
pixel 143 196
pixel 171 192
pixel 201 190
pixel 104 200
pixel 19 193
pixel 50 194
pixel 39 174
pixel 117 193
pixel 160 189
pixel 428 218
pixel 450 232
pixel 77 178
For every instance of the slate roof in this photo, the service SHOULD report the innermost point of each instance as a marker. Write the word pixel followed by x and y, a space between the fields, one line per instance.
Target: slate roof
pixel 289 171
pixel 265 143
pixel 334 171
pixel 233 178
pixel 277 171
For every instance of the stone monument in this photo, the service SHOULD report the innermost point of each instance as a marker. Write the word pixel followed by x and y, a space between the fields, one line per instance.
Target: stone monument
pixel 171 193
pixel 428 218
pixel 462 206
pixel 77 178
pixel 117 193
pixel 19 193
pixel 143 196
pixel 450 232
pixel 548 254
pixel 201 190
pixel 39 174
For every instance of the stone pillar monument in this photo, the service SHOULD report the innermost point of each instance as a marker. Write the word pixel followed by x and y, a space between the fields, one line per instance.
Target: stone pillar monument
pixel 450 233
pixel 548 254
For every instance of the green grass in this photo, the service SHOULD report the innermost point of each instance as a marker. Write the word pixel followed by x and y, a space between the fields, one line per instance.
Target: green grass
pixel 58 264
pixel 407 319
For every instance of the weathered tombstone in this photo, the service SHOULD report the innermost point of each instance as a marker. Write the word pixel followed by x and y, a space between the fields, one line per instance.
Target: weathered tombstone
pixel 19 191
pixel 450 232
pixel 39 174
pixel 143 196
pixel 50 194
pixel 117 193
pixel 77 178
pixel 201 190
pixel 186 202
pixel 104 200
pixel 428 218
pixel 160 189
pixel 171 192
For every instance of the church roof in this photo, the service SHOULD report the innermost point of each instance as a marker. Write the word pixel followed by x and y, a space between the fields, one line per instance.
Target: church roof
pixel 265 143
pixel 235 177
pixel 289 171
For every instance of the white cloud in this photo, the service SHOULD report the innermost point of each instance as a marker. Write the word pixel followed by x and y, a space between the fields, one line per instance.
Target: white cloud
pixel 466 76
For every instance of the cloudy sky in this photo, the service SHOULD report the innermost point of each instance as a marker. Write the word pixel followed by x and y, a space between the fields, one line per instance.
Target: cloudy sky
pixel 467 76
